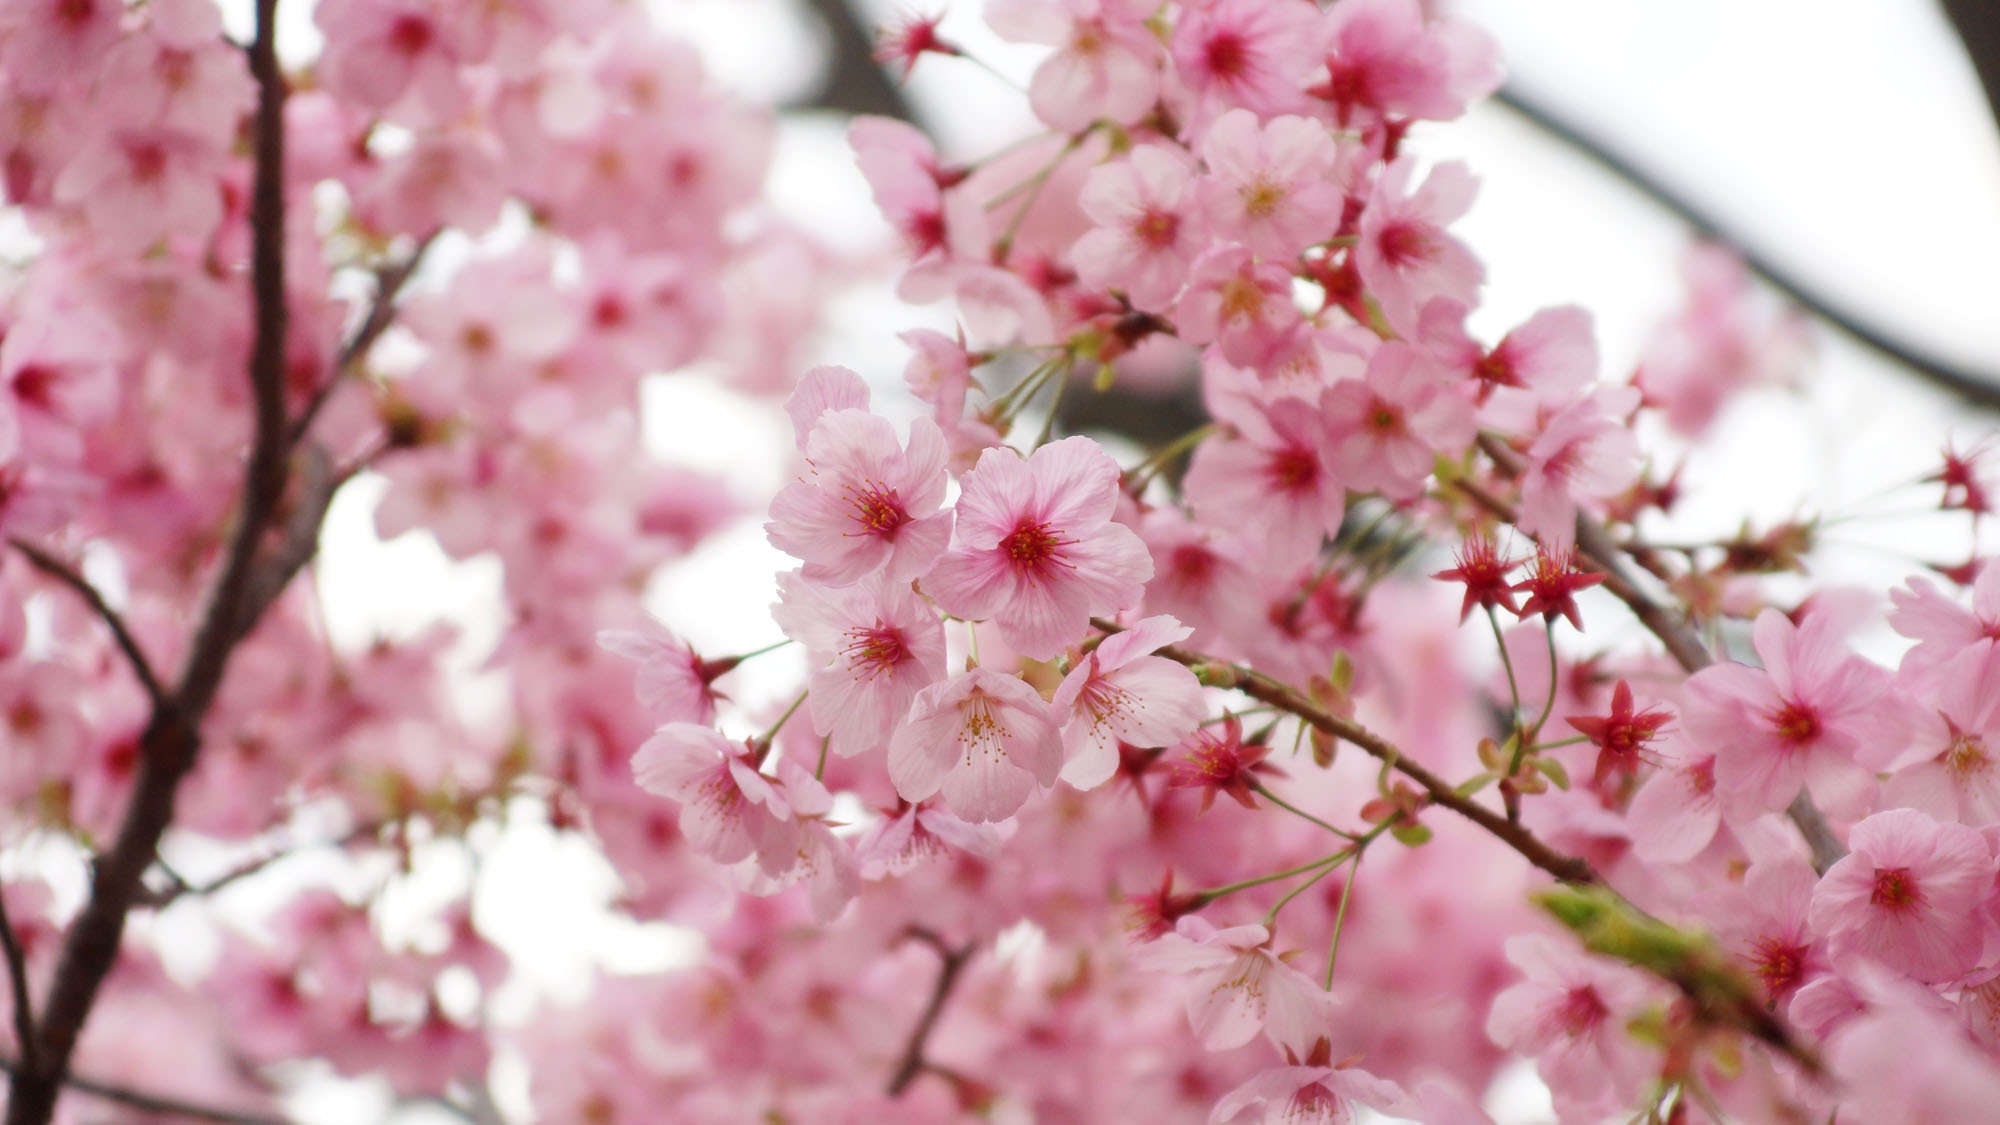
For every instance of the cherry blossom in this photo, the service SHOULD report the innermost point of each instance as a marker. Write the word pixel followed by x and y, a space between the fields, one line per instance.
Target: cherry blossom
pixel 1035 548
pixel 983 739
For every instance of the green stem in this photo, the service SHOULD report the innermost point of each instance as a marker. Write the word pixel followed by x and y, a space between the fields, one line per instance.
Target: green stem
pixel 1340 913
pixel 1055 404
pixel 772 734
pixel 1258 787
pixel 772 647
pixel 1143 473
pixel 1500 641
pixel 1203 898
pixel 819 771
pixel 1271 915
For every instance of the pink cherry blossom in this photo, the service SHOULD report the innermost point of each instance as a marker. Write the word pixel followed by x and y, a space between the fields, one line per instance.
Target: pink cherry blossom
pixel 1393 423
pixel 1405 256
pixel 1943 629
pixel 1036 549
pixel 1120 693
pixel 1243 305
pixel 1807 717
pixel 983 739
pixel 1765 924
pixel 1236 987
pixel 1571 1013
pixel 1107 65
pixel 865 503
pixel 822 389
pixel 673 680
pixel 136 185
pixel 1311 1095
pixel 45 44
pixel 394 56
pixel 1270 187
pixel 872 647
pixel 1549 360
pixel 729 811
pixel 1147 230
pixel 1585 452
pixel 1908 894
pixel 1383 56
pixel 1247 54
pixel 1272 480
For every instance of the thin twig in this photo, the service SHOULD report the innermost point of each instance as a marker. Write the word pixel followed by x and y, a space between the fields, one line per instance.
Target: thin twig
pixel 127 643
pixel 389 281
pixel 1568 868
pixel 951 963
pixel 153 1103
pixel 17 975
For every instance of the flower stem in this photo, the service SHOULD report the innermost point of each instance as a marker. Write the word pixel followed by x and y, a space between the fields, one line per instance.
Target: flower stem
pixel 1258 787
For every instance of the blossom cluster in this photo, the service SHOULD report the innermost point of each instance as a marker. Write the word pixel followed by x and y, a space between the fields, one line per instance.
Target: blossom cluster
pixel 978 869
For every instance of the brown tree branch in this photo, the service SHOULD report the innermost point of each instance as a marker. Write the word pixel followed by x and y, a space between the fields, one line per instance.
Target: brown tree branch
pixel 1264 689
pixel 1604 555
pixel 152 1103
pixel 952 962
pixel 389 281
pixel 129 645
pixel 855 83
pixel 17 977
pixel 171 740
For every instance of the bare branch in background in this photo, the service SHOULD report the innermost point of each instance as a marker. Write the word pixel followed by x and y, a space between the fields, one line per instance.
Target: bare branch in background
pixel 1977 387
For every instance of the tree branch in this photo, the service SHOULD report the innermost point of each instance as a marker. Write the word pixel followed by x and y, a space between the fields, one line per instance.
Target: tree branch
pixel 171 740
pixel 1979 388
pixel 389 281
pixel 17 975
pixel 952 962
pixel 1604 555
pixel 1264 689
pixel 152 1103
pixel 855 83
pixel 134 655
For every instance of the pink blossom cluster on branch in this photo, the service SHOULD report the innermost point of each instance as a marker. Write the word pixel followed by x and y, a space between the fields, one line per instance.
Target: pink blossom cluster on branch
pixel 977 870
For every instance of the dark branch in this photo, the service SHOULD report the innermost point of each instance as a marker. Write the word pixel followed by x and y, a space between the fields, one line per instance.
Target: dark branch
pixel 135 656
pixel 171 740
pixel 952 962
pixel 1982 389
pixel 17 974
pixel 1978 25
pixel 153 1103
pixel 1256 685
pixel 855 83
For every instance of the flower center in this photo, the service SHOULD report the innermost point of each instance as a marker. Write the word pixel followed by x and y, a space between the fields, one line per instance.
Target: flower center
pixel 1404 245
pixel 872 651
pixel 1778 964
pixel 1292 469
pixel 1034 547
pixel 877 509
pixel 1261 197
pixel 1581 1011
pixel 1227 55
pixel 1156 229
pixel 1796 723
pixel 1896 890
pixel 1965 757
